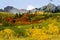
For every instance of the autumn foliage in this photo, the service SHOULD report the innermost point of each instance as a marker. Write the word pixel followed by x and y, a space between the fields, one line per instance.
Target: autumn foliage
pixel 24 19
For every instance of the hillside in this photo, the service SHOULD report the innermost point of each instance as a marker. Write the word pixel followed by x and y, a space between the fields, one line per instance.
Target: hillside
pixel 28 26
pixel 36 24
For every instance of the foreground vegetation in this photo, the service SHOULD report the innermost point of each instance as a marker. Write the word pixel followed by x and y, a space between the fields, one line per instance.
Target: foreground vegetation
pixel 45 26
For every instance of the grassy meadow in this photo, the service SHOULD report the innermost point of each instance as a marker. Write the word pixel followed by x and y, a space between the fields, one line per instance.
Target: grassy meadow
pixel 33 26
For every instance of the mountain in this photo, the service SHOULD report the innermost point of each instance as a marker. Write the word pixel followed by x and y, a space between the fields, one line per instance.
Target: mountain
pixel 1 10
pixel 47 8
pixel 11 9
pixel 58 8
pixel 50 8
pixel 14 10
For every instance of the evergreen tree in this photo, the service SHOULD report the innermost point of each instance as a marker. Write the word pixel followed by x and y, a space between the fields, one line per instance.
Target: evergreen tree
pixel 16 15
pixel 20 15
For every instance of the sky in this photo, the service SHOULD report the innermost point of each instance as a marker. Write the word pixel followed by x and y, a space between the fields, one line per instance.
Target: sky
pixel 27 4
